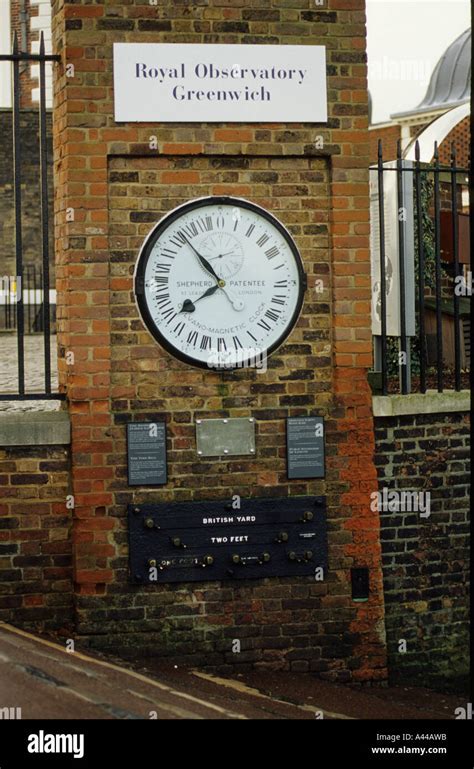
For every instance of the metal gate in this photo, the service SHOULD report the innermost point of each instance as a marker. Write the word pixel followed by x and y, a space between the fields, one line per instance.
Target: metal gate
pixel 421 273
pixel 22 303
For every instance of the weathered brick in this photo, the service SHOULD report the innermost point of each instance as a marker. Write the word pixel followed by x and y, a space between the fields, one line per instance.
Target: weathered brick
pixel 25 524
pixel 126 193
pixel 419 555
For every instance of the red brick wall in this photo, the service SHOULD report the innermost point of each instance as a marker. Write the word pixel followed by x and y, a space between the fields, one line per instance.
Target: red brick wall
pixel 461 136
pixel 389 135
pixel 322 196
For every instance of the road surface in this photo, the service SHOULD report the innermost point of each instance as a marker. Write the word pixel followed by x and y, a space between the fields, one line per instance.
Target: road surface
pixel 41 679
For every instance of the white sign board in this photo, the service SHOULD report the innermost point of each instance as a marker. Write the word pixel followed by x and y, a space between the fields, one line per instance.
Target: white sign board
pixel 394 213
pixel 191 83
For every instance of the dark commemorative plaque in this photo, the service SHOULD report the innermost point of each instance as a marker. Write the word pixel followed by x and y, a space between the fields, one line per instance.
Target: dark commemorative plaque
pixel 146 453
pixel 203 541
pixel 305 447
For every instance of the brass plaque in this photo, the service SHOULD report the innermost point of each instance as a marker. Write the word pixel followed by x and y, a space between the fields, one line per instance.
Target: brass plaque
pixel 225 437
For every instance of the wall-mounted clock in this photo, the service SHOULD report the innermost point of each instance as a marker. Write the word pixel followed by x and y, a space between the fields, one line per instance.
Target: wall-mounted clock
pixel 219 282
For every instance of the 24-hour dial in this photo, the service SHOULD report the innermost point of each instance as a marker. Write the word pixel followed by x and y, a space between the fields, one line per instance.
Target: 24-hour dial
pixel 219 282
pixel 224 251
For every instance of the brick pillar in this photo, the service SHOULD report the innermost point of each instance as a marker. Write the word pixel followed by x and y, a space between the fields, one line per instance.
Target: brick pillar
pixel 110 189
pixel 82 259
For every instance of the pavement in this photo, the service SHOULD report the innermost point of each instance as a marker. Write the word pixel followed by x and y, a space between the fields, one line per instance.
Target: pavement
pixel 34 371
pixel 46 681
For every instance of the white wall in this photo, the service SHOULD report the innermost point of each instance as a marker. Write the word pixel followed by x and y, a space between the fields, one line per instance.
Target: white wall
pixel 5 47
pixel 38 24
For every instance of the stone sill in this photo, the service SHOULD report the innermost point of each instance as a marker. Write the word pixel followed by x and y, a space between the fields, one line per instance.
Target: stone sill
pixel 34 428
pixel 431 402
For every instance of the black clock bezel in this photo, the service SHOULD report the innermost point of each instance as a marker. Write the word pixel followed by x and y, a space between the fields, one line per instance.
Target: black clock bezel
pixel 144 255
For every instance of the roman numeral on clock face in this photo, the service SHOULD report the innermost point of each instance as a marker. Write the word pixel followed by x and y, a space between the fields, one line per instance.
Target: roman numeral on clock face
pixel 192 338
pixel 262 240
pixel 263 324
pixel 272 314
pixel 205 223
pixel 272 252
pixel 191 229
pixel 178 239
pixel 163 300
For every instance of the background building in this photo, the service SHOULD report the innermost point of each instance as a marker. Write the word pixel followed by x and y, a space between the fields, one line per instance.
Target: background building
pixel 449 87
pixel 28 18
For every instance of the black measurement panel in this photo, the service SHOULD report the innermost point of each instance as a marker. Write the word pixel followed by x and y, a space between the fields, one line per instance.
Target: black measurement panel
pixel 205 541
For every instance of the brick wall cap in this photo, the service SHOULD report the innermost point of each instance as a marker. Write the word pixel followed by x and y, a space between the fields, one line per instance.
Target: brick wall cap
pixel 37 428
pixel 431 402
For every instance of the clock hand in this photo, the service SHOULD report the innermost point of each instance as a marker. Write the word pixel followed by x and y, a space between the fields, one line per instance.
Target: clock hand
pixel 237 304
pixel 219 256
pixel 189 306
pixel 204 263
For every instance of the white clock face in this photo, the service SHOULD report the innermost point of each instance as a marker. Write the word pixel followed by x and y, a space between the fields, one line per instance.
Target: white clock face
pixel 219 283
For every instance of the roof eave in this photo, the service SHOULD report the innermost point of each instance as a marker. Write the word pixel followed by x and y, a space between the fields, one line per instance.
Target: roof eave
pixel 435 109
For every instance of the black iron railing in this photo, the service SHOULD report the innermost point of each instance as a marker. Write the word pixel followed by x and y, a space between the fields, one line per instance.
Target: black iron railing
pixel 16 301
pixel 421 273
pixel 33 297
